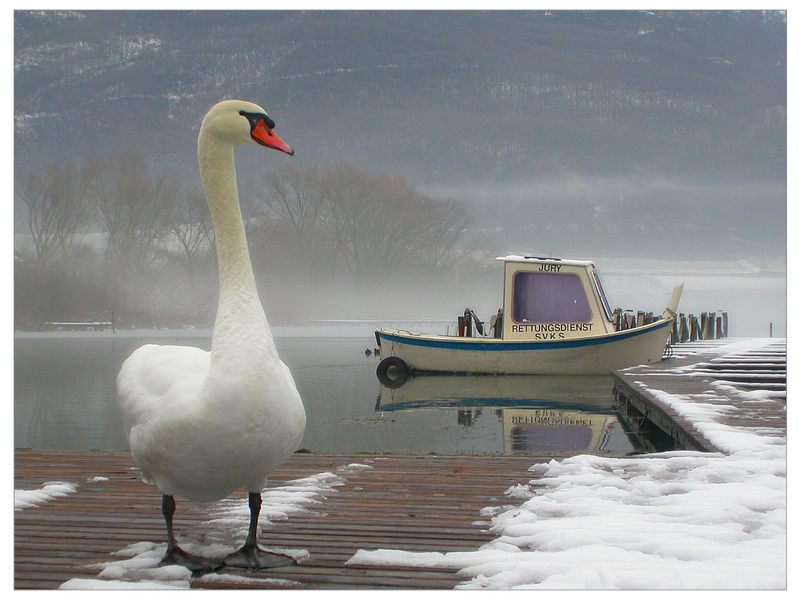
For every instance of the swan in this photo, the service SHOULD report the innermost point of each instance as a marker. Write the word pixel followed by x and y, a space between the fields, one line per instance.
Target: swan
pixel 203 424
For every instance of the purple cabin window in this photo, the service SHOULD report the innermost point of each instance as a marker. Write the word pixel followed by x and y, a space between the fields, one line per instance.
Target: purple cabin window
pixel 549 298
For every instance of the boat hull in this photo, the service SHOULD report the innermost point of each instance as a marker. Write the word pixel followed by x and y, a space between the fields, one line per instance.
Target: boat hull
pixel 595 355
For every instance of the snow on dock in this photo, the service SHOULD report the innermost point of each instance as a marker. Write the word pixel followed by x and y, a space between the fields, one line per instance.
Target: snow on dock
pixel 708 389
pixel 709 517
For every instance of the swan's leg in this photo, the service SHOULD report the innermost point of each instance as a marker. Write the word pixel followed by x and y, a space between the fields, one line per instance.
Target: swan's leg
pixel 175 555
pixel 250 556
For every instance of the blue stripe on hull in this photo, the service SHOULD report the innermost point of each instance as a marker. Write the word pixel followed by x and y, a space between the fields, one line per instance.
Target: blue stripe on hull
pixel 496 403
pixel 485 346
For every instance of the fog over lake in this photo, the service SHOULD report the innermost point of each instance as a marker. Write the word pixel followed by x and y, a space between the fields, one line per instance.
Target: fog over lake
pixel 653 142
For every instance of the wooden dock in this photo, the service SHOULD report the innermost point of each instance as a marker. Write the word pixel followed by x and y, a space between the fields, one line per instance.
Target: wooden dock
pixel 425 503
pixel 418 503
pixel 712 372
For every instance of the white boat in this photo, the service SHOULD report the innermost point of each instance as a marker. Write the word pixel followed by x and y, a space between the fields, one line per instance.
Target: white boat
pixel 555 320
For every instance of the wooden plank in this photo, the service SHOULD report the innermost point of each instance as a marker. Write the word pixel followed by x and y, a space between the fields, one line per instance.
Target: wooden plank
pixel 420 503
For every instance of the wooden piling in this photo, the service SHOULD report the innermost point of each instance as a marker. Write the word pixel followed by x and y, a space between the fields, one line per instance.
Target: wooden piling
pixel 693 324
pixel 683 328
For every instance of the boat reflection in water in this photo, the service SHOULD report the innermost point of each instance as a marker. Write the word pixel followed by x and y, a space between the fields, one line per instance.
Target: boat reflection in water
pixel 538 414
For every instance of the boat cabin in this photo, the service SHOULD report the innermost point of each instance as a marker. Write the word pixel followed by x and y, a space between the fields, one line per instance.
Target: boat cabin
pixel 555 320
pixel 553 299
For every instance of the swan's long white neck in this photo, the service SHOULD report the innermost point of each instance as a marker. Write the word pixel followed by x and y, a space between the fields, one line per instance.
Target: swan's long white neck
pixel 241 325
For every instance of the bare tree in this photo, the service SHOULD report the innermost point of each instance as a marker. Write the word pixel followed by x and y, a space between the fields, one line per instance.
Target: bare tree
pixel 346 195
pixel 439 233
pixel 252 211
pixel 54 197
pixel 133 200
pixel 189 223
pixel 292 196
pixel 368 224
pixel 379 223
pixel 332 224
pixel 291 212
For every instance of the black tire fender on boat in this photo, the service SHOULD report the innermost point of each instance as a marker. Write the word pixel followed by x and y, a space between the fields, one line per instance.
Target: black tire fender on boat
pixel 392 372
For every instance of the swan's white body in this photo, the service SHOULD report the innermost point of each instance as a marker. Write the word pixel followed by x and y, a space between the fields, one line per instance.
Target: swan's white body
pixel 202 424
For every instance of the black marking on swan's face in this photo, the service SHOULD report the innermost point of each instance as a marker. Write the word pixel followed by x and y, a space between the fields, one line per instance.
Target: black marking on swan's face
pixel 261 132
pixel 254 119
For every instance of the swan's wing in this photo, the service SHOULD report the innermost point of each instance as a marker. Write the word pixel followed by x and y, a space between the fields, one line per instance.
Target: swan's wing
pixel 154 375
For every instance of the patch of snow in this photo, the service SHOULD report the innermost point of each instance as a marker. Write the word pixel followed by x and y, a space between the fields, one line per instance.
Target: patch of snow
pixel 227 578
pixel 744 345
pixel 279 503
pixel 32 57
pixel 98 584
pixel 56 15
pixel 141 568
pixel 353 468
pixel 132 46
pixel 25 121
pixel 520 491
pixel 135 549
pixel 29 498
pixel 750 396
pixel 719 60
pixel 680 519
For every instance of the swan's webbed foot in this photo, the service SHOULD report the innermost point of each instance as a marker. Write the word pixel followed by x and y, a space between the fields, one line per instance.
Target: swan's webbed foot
pixel 198 565
pixel 250 556
pixel 175 555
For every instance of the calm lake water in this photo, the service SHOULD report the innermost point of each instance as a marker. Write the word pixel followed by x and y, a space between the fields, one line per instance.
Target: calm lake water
pixel 65 400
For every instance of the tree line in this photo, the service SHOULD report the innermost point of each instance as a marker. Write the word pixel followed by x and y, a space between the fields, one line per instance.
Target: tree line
pixel 119 233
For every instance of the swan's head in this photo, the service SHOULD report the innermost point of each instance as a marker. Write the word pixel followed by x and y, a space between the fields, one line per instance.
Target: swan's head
pixel 242 122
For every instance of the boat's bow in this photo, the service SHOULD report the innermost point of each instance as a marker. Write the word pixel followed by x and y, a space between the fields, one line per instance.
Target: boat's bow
pixel 671 308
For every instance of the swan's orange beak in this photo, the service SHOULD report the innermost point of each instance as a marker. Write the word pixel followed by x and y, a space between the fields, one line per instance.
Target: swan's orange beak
pixel 265 136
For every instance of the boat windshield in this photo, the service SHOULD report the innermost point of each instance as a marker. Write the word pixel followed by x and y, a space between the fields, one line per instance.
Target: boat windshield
pixel 602 297
pixel 549 298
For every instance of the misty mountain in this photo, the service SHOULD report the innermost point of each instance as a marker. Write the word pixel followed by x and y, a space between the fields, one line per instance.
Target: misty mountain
pixel 497 109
